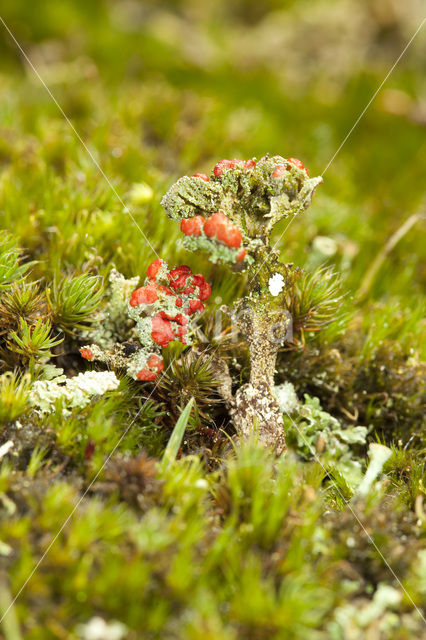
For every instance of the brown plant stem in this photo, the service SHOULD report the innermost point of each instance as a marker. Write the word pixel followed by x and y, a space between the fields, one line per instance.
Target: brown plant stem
pixel 372 270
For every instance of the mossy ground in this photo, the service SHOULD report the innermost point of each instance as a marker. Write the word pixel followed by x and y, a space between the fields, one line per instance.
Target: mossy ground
pixel 222 543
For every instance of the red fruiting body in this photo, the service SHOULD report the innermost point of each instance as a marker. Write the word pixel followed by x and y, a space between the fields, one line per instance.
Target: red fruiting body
pixel 241 255
pixel 179 283
pixel 155 362
pixel 188 290
pixel 192 226
pixel 179 317
pixel 168 324
pixel 217 221
pixel 225 164
pixel 166 290
pixel 179 277
pixel 86 354
pixel 233 237
pixel 220 226
pixel 209 228
pixel 298 163
pixel 205 291
pixel 162 332
pixel 186 284
pixel 154 268
pixel 146 374
pixel 178 271
pixel 214 223
pixel 202 176
pixel 194 305
pixel 197 279
pixel 144 295
pixel 221 232
pixel 220 167
pixel 180 332
pixel 279 171
pixel 249 164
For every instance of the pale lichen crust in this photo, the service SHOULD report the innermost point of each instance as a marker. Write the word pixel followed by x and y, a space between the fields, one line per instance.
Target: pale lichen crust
pixel 253 195
pixel 218 253
pixel 136 325
pixel 109 324
pixel 75 392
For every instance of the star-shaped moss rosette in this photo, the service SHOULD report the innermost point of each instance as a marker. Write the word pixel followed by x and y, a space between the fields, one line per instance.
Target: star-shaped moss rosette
pixel 231 213
pixel 157 313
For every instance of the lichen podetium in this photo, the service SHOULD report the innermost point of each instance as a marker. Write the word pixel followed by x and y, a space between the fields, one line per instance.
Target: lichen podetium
pixel 231 214
pixel 134 326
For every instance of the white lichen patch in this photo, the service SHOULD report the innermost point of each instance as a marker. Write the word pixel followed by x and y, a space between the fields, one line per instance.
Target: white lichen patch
pixel 276 284
pixel 110 323
pixel 379 454
pixel 5 448
pixel 286 396
pixel 98 629
pixel 76 392
pixel 143 326
pixel 365 616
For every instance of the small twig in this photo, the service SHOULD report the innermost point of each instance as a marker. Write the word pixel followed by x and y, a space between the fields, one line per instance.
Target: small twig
pixel 349 415
pixel 386 250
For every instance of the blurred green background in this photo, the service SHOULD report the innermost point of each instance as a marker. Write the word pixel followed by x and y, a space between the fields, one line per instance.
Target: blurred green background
pixel 158 89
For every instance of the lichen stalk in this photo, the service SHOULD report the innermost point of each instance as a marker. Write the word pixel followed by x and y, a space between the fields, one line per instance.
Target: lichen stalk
pixel 256 410
pixel 230 215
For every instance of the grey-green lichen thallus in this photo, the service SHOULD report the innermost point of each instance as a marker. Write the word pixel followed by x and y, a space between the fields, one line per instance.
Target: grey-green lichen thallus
pixel 231 214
